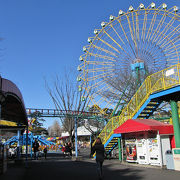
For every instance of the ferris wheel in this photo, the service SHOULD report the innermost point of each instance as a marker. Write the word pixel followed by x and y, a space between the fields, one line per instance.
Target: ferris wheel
pixel 146 39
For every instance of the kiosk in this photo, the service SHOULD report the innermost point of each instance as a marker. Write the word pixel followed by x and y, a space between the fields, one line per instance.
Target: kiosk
pixel 151 140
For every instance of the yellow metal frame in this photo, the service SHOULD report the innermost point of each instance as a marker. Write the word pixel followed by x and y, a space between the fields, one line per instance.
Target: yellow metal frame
pixel 7 123
pixel 158 25
pixel 32 122
pixel 153 83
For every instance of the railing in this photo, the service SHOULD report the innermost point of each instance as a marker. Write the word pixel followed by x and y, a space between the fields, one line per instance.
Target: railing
pixel 159 81
pixel 57 112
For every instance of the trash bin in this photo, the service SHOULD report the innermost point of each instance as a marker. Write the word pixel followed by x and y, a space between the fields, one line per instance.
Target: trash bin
pixel 169 160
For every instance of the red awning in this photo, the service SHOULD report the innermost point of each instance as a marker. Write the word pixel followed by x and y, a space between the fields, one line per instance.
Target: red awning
pixel 137 125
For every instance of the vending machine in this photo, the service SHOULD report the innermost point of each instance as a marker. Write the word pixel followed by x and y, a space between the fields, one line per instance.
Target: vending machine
pixel 131 154
pixel 142 151
pixel 154 150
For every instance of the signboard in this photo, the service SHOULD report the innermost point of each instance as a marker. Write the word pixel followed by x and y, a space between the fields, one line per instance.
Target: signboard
pixel 176 157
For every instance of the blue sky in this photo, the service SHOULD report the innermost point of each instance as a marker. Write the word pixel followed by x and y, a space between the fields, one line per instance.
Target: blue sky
pixel 42 38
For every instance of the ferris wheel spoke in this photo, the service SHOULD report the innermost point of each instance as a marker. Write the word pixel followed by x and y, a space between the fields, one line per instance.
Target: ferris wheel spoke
pixel 98 84
pixel 162 34
pixel 144 26
pixel 175 30
pixel 117 34
pixel 133 36
pixel 99 77
pixel 172 51
pixel 127 38
pixel 154 56
pixel 172 57
pixel 99 69
pixel 135 32
pixel 102 75
pixel 104 103
pixel 120 40
pixel 150 30
pixel 158 28
pixel 171 41
pixel 175 48
pixel 108 45
pixel 101 91
pixel 173 61
pixel 115 42
pixel 105 50
pixel 137 26
pixel 131 32
pixel 102 57
pixel 107 63
pixel 164 31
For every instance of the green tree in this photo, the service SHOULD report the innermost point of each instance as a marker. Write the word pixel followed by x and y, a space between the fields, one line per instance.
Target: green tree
pixel 37 124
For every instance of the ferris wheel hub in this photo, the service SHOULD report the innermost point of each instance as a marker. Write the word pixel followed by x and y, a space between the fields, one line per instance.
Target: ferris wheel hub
pixel 138 61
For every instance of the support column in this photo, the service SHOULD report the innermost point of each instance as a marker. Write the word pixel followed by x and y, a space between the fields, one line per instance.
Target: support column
pixel 175 118
pixel 0 110
pixel 18 144
pixel 119 145
pixel 31 137
pixel 27 146
pixel 0 119
pixel 75 127
pixel 90 140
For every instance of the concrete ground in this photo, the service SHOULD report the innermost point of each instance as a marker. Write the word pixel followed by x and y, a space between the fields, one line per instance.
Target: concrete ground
pixel 58 167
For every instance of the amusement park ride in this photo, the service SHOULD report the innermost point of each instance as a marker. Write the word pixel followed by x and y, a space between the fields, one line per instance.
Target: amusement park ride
pixel 132 66
pixel 75 115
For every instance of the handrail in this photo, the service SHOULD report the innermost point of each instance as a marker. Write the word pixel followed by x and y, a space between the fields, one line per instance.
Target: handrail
pixel 162 80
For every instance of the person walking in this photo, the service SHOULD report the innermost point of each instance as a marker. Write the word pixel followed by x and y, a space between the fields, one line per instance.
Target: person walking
pixel 45 152
pixel 36 149
pixel 98 148
pixel 70 148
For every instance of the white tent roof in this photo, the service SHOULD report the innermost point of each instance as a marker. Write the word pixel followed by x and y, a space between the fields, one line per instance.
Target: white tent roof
pixel 82 131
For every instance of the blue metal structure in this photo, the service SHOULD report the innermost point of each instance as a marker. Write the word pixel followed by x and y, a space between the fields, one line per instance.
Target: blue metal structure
pixel 155 100
pixel 31 139
pixel 146 110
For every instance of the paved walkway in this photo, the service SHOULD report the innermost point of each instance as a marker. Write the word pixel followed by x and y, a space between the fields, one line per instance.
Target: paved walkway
pixel 58 167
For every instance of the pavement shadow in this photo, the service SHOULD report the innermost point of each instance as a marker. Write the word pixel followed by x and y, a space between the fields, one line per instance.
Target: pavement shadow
pixel 121 172
pixel 67 169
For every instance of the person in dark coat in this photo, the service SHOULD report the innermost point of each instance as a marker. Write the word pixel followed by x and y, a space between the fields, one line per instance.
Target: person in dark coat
pixel 36 149
pixel 98 148
pixel 68 149
pixel 45 152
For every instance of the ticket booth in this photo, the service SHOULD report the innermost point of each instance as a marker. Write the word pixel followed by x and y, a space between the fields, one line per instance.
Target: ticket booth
pixel 151 140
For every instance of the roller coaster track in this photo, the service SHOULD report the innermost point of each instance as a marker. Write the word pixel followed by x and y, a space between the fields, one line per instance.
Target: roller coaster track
pixel 156 88
pixel 63 113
